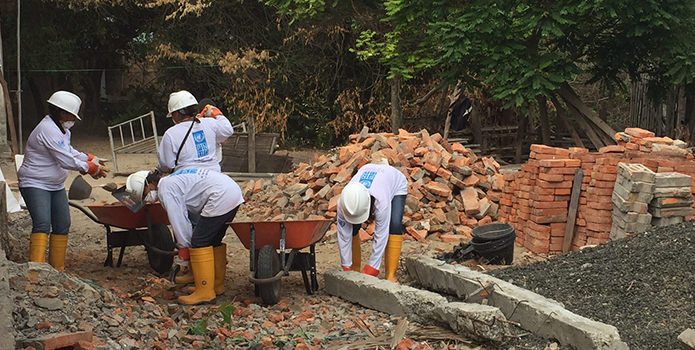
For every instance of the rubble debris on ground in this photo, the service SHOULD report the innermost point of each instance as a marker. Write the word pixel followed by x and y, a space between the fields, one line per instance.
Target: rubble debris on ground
pixel 52 308
pixel 451 190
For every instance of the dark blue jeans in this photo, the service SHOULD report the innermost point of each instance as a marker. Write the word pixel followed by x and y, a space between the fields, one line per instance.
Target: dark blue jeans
pixel 396 224
pixel 209 231
pixel 48 209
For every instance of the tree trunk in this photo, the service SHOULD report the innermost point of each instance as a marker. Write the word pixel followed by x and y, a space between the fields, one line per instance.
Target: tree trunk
pixel 543 116
pixel 396 108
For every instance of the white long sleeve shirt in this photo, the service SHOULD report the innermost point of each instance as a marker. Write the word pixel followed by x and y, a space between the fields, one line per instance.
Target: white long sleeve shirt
pixel 383 182
pixel 205 192
pixel 48 157
pixel 199 151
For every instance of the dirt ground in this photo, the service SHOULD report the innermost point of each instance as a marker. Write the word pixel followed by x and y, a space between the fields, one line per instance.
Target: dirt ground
pixel 87 239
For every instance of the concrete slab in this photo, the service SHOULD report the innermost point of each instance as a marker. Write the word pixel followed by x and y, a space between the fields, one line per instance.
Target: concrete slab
pixel 475 321
pixel 382 295
pixel 535 313
pixel 480 322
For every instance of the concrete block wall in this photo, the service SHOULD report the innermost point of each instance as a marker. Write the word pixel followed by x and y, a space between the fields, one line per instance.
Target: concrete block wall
pixel 594 214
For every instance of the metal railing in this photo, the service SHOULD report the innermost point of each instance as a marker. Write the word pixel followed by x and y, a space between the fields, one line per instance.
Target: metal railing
pixel 136 138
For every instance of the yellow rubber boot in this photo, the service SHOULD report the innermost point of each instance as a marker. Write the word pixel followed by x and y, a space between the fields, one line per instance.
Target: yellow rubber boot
pixel 37 247
pixel 203 266
pixel 56 251
pixel 356 253
pixel 186 273
pixel 220 267
pixel 393 253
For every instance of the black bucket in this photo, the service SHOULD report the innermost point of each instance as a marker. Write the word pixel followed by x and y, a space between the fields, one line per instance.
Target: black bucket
pixel 494 243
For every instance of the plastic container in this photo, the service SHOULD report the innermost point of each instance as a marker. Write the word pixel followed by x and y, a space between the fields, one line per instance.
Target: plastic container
pixel 494 243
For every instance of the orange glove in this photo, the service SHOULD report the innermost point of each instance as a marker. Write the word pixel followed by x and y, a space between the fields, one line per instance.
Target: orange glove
pixel 95 159
pixel 210 112
pixel 96 170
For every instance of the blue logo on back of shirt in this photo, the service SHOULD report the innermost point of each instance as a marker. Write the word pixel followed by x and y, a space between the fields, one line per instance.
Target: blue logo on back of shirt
pixel 201 145
pixel 367 178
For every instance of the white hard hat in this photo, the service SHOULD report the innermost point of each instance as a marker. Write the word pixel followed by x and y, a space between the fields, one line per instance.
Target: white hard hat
pixel 180 99
pixel 66 101
pixel 136 182
pixel 355 203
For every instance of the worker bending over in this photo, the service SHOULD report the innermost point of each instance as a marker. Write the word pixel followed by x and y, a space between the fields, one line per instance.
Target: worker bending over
pixel 212 195
pixel 379 190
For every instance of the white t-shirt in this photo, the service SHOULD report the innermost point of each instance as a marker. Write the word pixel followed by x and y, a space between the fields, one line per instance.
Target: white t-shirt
pixel 200 148
pixel 205 192
pixel 383 182
pixel 48 157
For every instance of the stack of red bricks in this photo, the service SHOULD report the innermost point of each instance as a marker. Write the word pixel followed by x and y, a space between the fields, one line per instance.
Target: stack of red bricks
pixel 543 193
pixel 537 223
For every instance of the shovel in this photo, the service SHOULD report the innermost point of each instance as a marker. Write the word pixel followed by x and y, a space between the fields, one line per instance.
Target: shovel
pixel 127 199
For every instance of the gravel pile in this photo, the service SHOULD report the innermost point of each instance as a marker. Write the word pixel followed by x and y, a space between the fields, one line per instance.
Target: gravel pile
pixel 643 284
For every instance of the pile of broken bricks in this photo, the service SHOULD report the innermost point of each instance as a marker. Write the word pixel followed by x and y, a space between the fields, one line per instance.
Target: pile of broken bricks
pixel 450 189
pixel 547 177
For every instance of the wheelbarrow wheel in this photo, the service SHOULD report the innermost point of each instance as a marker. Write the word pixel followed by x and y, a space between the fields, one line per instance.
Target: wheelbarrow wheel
pixel 267 267
pixel 160 237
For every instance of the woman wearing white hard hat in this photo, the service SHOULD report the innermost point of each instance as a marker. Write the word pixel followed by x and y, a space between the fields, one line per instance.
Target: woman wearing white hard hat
pixel 191 143
pixel 212 195
pixel 380 190
pixel 47 159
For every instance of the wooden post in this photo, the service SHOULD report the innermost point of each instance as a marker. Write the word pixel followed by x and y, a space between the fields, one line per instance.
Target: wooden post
pixel 252 145
pixel 4 230
pixel 572 214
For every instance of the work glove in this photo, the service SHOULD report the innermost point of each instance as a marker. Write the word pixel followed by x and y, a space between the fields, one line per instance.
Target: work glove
pixel 95 159
pixel 96 170
pixel 210 112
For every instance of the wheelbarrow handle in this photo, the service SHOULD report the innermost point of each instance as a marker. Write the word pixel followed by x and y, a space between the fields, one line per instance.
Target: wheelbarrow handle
pixel 86 212
pixel 161 252
pixel 255 280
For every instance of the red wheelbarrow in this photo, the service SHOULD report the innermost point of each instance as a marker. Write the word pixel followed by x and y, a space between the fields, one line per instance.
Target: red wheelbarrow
pixel 147 227
pixel 268 242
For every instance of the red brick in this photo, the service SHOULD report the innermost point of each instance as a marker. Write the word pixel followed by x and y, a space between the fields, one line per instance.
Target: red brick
pixel 563 171
pixel 555 185
pixel 573 163
pixel 612 149
pixel 552 163
pixel 599 191
pixel 602 184
pixel 638 132
pixel 563 191
pixel 549 205
pixel 552 177
pixel 538 148
pixel 62 340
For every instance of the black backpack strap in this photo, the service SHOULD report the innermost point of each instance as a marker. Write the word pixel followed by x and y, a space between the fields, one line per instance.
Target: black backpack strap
pixel 176 162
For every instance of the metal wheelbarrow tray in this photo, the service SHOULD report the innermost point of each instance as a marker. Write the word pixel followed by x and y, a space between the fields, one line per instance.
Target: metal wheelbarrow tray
pixel 146 227
pixel 268 242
